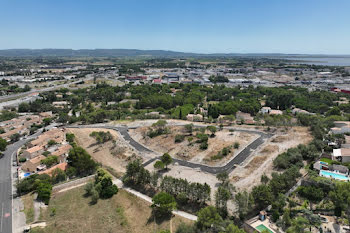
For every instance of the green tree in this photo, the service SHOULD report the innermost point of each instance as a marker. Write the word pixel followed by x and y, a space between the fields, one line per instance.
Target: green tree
pixel 223 177
pixel 262 196
pixel 104 184
pixel 208 217
pixel 189 128
pixel 166 159
pixel 163 203
pixel 44 190
pixel 159 165
pixel 212 129
pixel 3 144
pixel 81 161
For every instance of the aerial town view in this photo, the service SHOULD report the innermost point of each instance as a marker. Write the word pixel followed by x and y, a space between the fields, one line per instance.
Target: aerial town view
pixel 175 116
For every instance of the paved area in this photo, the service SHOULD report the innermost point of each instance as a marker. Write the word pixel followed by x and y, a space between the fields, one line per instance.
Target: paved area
pixel 228 167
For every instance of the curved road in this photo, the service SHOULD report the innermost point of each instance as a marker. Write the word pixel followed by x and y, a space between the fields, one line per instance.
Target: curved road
pixel 238 159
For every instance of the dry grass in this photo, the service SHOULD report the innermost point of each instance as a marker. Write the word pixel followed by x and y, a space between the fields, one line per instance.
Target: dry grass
pixel 122 213
pixel 113 157
pixel 28 203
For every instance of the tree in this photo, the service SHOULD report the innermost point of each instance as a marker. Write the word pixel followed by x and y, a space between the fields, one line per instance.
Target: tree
pixel 163 203
pixel 44 191
pixel 81 161
pixel 223 177
pixel 262 196
pixel 244 202
pixel 264 179
pixel 222 195
pixel 47 121
pixel 207 218
pixel 189 128
pixel 70 137
pixel 3 144
pixel 159 165
pixel 50 160
pixel 166 159
pixel 212 129
pixel 58 175
pixel 15 137
pixel 104 184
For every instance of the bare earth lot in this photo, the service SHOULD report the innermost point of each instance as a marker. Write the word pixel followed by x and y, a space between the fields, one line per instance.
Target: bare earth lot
pixel 260 162
pixel 190 151
pixel 123 212
pixel 107 154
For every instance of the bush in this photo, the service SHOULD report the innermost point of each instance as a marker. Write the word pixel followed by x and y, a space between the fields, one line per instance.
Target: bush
pixel 22 159
pixel 203 146
pixel 44 192
pixel 179 138
pixel 101 137
pixel 94 196
pixel 236 145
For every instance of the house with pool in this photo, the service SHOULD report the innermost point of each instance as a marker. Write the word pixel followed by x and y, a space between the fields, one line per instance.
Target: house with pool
pixel 260 223
pixel 333 171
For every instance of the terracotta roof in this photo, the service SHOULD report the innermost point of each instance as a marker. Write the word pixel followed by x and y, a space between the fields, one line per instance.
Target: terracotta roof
pixel 62 166
pixel 37 159
pixel 34 149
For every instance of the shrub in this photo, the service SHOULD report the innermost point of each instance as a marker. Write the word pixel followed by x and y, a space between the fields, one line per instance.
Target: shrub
pixel 22 159
pixel 236 145
pixel 179 138
pixel 203 146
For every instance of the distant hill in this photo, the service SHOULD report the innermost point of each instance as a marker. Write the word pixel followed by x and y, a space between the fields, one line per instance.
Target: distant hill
pixel 91 53
pixel 137 52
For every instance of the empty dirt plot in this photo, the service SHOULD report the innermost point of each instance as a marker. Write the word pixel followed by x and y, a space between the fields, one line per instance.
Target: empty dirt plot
pixel 189 149
pixel 261 161
pixel 114 155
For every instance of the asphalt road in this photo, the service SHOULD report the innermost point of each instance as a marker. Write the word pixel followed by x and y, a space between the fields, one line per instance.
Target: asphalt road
pixel 6 193
pixel 238 159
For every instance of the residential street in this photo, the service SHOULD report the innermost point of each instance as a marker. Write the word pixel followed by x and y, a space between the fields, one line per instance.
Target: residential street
pixel 6 191
pixel 238 159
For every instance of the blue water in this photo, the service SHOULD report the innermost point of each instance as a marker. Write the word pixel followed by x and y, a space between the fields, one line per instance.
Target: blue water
pixel 333 175
pixel 326 61
pixel 26 174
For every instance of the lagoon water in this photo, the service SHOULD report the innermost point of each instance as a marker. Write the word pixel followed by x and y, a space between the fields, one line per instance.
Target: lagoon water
pixel 327 61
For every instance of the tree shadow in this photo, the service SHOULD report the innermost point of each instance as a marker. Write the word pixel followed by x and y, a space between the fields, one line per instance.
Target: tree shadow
pixel 158 218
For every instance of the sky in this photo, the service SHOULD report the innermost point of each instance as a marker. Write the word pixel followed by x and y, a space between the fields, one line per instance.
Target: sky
pixel 202 26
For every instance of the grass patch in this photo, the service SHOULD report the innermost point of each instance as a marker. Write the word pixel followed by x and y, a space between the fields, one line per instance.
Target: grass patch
pixel 123 219
pixel 329 161
pixel 28 203
pixel 122 213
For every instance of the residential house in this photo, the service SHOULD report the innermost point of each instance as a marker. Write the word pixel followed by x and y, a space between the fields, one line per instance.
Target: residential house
pixel 32 164
pixel 341 127
pixel 62 166
pixel 341 155
pixel 56 135
pixel 245 118
pixel 275 112
pixel 194 117
pixel 265 110
pixel 46 114
pixel 60 104
pixel 32 152
pixel 62 152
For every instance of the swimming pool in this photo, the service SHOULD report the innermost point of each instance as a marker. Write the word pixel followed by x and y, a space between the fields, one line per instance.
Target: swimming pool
pixel 262 227
pixel 333 175
pixel 26 174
